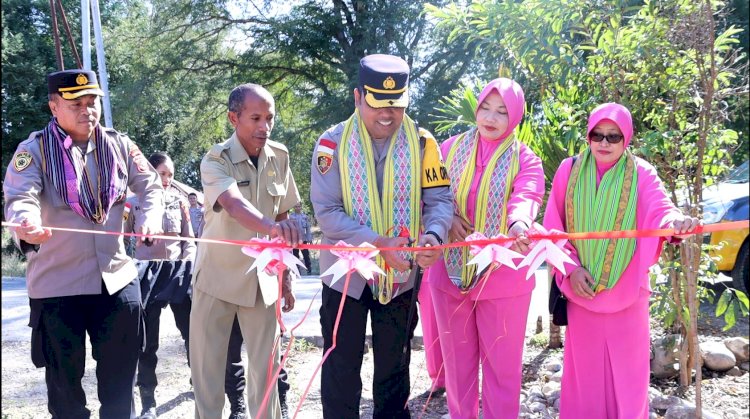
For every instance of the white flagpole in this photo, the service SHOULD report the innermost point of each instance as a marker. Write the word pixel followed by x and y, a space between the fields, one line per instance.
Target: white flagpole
pixel 100 62
pixel 86 33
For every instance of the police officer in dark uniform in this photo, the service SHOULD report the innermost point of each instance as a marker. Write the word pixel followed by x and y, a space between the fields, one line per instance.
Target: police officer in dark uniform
pixel 375 179
pixel 75 173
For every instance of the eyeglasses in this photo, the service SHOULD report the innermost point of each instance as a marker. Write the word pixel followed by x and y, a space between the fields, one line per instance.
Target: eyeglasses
pixel 611 138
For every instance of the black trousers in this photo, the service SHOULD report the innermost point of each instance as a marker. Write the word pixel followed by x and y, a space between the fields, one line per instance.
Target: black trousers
pixel 341 385
pixel 161 284
pixel 305 256
pixel 113 322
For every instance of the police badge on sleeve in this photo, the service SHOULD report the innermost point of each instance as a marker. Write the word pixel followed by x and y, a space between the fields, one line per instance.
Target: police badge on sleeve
pixel 324 157
pixel 21 160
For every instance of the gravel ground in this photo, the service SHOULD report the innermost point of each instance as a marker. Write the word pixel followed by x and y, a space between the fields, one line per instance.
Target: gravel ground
pixel 24 391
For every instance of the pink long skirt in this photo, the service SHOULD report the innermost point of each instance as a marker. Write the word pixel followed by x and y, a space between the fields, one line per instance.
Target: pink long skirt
pixel 606 363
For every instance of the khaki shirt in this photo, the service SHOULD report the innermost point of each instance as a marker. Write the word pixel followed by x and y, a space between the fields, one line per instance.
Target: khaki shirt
pixel 176 222
pixel 336 224
pixel 76 263
pixel 222 270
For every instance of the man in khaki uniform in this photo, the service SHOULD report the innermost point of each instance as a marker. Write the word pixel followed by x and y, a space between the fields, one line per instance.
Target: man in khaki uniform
pixel 249 189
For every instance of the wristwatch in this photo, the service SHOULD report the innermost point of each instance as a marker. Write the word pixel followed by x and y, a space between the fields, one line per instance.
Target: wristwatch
pixel 432 233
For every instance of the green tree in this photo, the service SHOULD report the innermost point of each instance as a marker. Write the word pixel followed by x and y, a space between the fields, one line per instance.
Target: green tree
pixel 308 56
pixel 27 57
pixel 657 58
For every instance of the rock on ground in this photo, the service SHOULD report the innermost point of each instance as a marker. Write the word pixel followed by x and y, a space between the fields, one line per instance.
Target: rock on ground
pixel 740 347
pixel 716 356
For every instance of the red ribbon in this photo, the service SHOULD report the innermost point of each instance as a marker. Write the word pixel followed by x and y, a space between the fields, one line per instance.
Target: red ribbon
pixel 664 232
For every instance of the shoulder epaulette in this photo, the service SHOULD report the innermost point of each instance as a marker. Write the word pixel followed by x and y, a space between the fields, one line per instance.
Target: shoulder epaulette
pixel 425 134
pixel 216 149
pixel 277 145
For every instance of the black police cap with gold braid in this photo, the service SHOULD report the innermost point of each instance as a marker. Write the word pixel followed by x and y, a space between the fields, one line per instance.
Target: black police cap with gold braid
pixel 72 84
pixel 384 81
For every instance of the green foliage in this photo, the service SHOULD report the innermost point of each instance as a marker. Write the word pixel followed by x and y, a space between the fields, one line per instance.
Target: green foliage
pixel 732 304
pixel 656 58
pixel 581 54
pixel 14 264
pixel 26 59
pixel 540 340
pixel 303 345
pixel 456 111
pixel 162 95
pixel 172 64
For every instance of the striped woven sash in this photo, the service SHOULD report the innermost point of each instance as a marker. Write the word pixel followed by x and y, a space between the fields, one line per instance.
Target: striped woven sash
pixel 610 207
pixel 399 204
pixel 91 200
pixel 490 215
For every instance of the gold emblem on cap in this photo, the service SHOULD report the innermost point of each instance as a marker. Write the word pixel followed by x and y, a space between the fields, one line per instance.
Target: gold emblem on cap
pixel 82 79
pixel 22 160
pixel 389 83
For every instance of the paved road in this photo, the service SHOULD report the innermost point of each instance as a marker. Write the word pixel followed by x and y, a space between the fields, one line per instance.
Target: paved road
pixel 15 309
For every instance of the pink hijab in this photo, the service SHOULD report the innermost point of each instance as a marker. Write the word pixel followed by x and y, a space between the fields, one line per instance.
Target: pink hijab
pixel 512 95
pixel 616 113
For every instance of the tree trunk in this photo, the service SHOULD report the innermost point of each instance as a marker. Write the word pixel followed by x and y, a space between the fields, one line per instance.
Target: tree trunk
pixel 555 338
pixel 682 357
pixel 691 273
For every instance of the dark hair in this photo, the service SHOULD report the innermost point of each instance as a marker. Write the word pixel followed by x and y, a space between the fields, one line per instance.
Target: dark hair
pixel 238 94
pixel 158 158
pixel 193 194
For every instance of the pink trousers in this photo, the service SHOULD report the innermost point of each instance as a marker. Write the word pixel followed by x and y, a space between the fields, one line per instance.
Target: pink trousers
pixel 606 363
pixel 432 352
pixel 489 333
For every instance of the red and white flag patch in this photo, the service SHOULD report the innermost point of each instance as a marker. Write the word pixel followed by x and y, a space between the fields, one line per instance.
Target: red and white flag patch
pixel 324 156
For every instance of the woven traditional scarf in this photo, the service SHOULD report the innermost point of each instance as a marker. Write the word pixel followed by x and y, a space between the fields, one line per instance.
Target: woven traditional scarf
pixel 90 201
pixel 610 207
pixel 490 216
pixel 400 201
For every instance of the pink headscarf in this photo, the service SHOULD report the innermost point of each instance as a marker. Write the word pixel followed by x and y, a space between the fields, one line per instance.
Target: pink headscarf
pixel 616 113
pixel 512 95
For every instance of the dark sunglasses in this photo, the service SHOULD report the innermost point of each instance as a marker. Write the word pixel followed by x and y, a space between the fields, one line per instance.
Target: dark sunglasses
pixel 611 138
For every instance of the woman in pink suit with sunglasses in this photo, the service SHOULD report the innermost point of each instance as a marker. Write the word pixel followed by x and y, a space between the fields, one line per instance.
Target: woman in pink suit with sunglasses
pixel 606 188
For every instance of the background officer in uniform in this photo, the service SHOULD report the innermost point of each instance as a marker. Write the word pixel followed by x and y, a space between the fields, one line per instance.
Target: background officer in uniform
pixel 75 174
pixel 249 189
pixel 196 214
pixel 165 270
pixel 352 205
pixel 305 228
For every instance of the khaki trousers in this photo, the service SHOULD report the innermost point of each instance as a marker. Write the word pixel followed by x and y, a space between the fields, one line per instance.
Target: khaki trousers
pixel 210 326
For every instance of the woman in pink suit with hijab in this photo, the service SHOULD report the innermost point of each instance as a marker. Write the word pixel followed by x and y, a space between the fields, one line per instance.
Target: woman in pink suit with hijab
pixel 606 188
pixel 498 187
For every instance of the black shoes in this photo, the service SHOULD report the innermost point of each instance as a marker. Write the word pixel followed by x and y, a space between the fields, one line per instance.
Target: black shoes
pixel 237 404
pixel 149 413
pixel 149 403
pixel 284 408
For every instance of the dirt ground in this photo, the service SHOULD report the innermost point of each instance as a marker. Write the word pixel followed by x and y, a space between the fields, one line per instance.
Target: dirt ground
pixel 24 392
